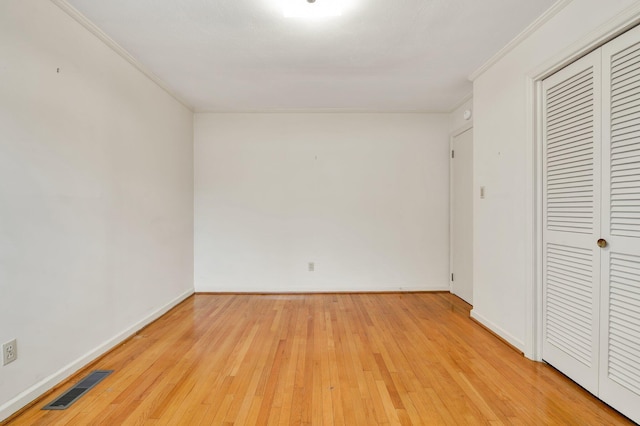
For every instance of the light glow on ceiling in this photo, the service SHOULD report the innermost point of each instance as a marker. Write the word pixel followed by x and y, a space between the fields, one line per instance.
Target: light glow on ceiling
pixel 319 10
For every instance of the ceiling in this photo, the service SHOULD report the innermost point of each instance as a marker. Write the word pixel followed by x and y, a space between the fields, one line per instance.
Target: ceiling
pixel 379 55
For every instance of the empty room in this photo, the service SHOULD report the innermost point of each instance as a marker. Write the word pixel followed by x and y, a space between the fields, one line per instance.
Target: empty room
pixel 319 212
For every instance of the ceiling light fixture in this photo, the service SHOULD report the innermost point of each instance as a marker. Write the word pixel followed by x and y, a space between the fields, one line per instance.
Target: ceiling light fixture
pixel 312 10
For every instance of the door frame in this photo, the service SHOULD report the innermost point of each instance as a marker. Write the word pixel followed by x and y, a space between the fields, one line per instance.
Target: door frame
pixel 452 136
pixel 533 221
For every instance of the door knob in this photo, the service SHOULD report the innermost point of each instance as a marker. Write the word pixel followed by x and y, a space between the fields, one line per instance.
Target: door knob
pixel 602 243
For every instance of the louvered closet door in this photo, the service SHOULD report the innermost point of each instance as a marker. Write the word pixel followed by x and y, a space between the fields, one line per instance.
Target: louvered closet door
pixel 620 313
pixel 571 194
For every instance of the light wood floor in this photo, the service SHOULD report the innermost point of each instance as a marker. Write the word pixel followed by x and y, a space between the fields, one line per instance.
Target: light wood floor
pixel 361 359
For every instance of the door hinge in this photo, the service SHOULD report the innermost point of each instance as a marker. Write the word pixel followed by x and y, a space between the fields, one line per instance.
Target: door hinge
pixel 453 154
pixel 451 277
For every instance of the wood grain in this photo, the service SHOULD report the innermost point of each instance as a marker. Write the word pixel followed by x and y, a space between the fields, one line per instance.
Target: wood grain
pixel 323 359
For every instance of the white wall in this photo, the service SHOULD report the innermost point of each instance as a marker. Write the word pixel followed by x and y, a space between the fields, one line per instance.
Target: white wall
pixel 456 117
pixel 364 196
pixel 96 195
pixel 500 163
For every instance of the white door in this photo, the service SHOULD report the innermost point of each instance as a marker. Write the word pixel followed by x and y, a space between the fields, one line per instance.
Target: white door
pixel 620 314
pixel 571 213
pixel 462 216
pixel 591 235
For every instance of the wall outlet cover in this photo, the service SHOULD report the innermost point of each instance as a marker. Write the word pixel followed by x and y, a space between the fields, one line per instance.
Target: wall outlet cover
pixel 9 352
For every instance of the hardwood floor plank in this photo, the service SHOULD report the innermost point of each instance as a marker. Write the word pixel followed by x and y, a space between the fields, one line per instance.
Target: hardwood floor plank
pixel 325 359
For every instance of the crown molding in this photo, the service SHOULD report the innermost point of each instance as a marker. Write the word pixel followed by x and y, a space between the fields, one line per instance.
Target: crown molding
pixel 542 19
pixel 622 22
pixel 92 28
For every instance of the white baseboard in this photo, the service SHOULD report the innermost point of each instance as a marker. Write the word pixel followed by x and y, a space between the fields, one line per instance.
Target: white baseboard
pixel 34 392
pixel 203 288
pixel 517 343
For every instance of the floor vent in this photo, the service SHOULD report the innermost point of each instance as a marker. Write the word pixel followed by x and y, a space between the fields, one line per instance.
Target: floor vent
pixel 83 386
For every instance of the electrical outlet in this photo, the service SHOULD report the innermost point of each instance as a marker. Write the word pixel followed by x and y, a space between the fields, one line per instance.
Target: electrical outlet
pixel 9 352
pixel 312 266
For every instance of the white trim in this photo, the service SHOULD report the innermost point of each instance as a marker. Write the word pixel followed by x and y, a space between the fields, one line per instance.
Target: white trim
pixel 540 21
pixel 452 136
pixel 518 344
pixel 533 221
pixel 460 130
pixel 402 290
pixel 320 111
pixel 92 28
pixel 609 30
pixel 46 384
pixel 387 288
pixel 620 23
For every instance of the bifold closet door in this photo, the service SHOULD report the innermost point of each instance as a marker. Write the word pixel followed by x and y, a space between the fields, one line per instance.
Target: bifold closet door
pixel 620 279
pixel 571 216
